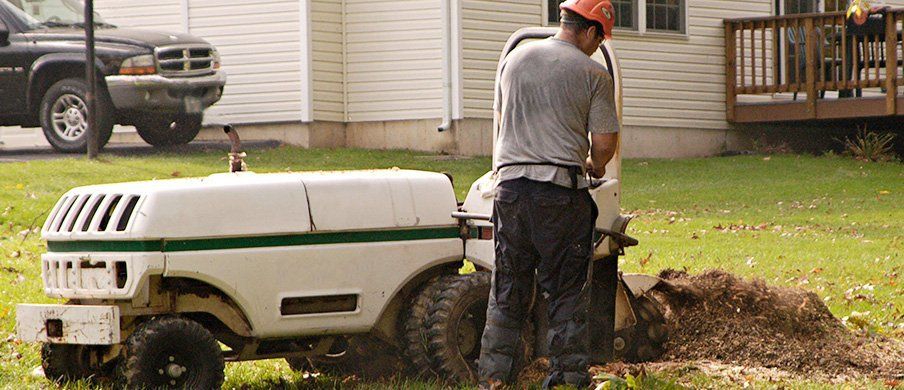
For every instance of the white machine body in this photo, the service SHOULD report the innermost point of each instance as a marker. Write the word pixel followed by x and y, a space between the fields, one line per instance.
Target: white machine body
pixel 259 238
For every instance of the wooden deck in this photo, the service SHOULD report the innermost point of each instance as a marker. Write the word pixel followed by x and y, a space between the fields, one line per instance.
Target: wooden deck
pixel 801 57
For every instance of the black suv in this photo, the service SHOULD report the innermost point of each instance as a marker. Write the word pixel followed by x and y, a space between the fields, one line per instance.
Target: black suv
pixel 159 82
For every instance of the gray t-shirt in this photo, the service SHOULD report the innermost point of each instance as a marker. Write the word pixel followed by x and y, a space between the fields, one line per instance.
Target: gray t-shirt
pixel 549 96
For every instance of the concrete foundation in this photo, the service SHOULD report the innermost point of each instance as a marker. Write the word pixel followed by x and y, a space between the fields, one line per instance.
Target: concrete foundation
pixel 469 137
pixel 658 142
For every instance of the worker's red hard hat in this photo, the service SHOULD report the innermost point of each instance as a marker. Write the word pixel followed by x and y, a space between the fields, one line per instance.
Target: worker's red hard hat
pixel 596 10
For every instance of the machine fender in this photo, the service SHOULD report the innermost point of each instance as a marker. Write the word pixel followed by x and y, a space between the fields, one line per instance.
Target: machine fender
pixel 386 327
pixel 217 306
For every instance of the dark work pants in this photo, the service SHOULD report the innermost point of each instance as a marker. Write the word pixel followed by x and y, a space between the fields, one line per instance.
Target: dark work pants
pixel 545 231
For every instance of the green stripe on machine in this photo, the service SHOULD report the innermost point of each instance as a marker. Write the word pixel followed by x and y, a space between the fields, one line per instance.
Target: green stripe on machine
pixel 105 246
pixel 255 242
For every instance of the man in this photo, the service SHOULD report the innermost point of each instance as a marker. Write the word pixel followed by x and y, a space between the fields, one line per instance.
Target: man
pixel 549 96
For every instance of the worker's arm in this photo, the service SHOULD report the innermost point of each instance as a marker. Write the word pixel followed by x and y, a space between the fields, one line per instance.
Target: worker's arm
pixel 602 123
pixel 602 149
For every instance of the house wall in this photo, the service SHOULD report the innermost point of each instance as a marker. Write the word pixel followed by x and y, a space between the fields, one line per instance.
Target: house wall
pixel 679 82
pixel 485 27
pixel 260 44
pixel 328 59
pixel 393 59
pixel 165 15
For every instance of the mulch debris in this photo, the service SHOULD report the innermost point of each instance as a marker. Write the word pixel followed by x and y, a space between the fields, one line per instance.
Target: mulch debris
pixel 717 316
pixel 726 326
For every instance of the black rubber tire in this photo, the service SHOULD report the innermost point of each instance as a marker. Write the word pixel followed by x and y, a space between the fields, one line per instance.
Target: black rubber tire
pixel 458 311
pixel 64 362
pixel 364 357
pixel 71 362
pixel 168 129
pixel 417 340
pixel 650 332
pixel 78 88
pixel 160 342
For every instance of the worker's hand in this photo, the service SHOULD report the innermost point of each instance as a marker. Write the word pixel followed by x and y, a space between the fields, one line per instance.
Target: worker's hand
pixel 595 172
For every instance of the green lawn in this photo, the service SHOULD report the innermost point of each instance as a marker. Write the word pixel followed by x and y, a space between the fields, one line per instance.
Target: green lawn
pixel 828 224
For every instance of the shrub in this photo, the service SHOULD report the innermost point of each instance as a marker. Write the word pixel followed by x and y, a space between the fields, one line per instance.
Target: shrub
pixel 870 146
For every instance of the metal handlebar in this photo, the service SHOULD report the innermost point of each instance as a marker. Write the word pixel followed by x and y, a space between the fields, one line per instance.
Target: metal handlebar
pixel 464 215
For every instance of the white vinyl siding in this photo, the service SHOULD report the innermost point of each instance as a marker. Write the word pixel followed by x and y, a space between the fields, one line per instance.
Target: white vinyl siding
pixel 393 59
pixel 260 44
pixel 328 76
pixel 680 82
pixel 163 15
pixel 485 26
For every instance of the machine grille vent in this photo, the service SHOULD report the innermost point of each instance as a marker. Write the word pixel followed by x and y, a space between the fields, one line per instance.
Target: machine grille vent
pixel 93 213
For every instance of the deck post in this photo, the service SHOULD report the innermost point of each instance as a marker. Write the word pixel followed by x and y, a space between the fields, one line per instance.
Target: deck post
pixel 730 71
pixel 811 51
pixel 891 63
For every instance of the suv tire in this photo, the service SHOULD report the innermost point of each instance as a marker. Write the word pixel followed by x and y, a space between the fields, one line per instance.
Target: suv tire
pixel 171 352
pixel 455 325
pixel 64 116
pixel 168 129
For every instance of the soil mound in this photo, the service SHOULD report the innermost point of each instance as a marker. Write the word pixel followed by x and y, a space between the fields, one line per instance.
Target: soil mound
pixel 718 316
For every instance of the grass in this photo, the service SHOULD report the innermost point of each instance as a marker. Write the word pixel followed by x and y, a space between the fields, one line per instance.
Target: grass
pixel 827 224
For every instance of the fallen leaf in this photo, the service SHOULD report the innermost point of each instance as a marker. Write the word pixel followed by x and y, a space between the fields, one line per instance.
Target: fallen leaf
pixel 645 260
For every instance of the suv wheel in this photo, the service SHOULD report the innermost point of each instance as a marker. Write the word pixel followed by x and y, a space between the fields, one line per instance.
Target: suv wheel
pixel 168 129
pixel 171 352
pixel 64 116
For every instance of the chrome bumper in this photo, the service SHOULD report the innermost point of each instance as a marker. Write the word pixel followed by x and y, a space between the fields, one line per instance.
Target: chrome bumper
pixel 155 92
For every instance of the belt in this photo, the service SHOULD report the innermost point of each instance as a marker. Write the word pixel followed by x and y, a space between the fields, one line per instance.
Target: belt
pixel 573 170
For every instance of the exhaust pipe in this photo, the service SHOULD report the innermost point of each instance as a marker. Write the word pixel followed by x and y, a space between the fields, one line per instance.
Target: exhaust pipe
pixel 236 155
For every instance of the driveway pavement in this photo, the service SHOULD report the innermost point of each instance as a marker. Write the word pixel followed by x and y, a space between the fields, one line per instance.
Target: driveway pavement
pixel 18 145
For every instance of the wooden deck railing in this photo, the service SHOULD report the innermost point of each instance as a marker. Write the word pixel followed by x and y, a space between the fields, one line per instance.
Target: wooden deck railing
pixel 813 53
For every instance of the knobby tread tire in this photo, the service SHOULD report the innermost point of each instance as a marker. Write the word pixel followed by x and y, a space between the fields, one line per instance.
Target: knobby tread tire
pixel 451 296
pixel 417 341
pixel 61 363
pixel 136 370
